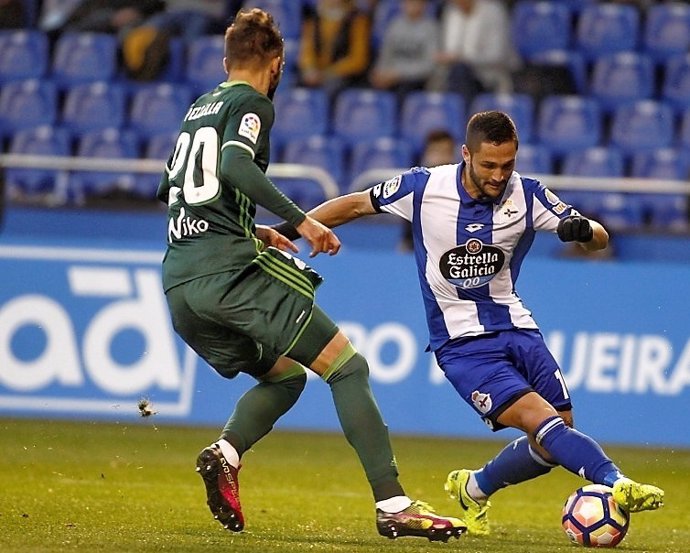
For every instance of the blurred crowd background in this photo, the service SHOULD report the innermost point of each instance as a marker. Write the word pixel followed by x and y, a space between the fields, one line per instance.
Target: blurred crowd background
pixel 597 89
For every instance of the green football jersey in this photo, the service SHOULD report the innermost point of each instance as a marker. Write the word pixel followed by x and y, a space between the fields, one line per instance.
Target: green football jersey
pixel 210 219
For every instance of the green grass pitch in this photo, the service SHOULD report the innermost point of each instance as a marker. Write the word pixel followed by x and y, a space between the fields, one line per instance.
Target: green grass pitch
pixel 131 487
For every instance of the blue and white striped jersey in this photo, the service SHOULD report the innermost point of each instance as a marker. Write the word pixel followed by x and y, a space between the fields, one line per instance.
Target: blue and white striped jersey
pixel 469 252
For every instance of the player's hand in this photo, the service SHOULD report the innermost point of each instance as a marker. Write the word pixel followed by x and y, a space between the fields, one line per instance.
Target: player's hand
pixel 575 228
pixel 271 237
pixel 320 238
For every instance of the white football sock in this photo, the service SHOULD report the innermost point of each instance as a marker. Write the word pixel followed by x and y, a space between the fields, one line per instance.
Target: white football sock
pixel 229 452
pixel 394 504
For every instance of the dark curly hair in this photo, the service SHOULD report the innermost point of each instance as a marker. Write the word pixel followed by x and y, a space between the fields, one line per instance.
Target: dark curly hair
pixel 252 39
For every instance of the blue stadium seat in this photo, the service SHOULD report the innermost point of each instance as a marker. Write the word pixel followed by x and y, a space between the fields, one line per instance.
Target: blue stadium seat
pixel 158 108
pixel 642 126
pixel 534 159
pixel 571 59
pixel 675 89
pixel 300 112
pixel 597 161
pixel 566 123
pixel 621 78
pixel 108 143
pixel 606 28
pixel 92 106
pixel 538 26
pixel 422 112
pixel 684 133
pixel 661 163
pixel 667 30
pixel 46 141
pixel 204 68
pixel 520 107
pixel 326 152
pixel 84 57
pixel 621 212
pixel 381 153
pixel 23 55
pixel 287 13
pixel 159 146
pixel 362 114
pixel 27 103
pixel 306 193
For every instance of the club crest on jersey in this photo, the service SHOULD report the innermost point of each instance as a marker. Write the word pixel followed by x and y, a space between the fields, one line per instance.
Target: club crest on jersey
pixel 471 265
pixel 482 401
pixel 250 126
pixel 391 186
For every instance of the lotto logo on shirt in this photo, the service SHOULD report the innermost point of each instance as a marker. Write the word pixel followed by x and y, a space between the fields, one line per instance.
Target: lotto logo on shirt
pixel 471 265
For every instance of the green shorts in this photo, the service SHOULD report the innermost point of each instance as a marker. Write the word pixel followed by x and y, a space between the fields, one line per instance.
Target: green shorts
pixel 242 322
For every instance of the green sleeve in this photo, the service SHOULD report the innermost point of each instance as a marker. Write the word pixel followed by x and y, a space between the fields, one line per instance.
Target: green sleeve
pixel 238 168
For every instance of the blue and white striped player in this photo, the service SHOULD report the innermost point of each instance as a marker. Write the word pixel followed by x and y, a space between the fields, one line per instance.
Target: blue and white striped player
pixel 473 223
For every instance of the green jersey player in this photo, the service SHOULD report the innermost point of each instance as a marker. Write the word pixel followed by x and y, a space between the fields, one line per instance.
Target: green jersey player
pixel 244 304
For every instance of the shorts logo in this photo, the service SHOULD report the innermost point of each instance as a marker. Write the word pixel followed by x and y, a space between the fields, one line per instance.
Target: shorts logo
pixel 250 127
pixel 391 186
pixel 482 401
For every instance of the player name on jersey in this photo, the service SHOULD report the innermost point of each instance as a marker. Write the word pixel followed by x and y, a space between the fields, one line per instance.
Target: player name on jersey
pixel 200 111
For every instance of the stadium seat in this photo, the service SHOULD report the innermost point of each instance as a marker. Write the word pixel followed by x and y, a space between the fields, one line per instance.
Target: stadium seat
pixel 29 183
pixel 84 57
pixel 287 13
pixel 667 30
pixel 605 28
pixel 23 55
pixel 675 89
pixel 28 103
pixel 622 78
pixel 92 106
pixel 362 114
pixel 520 107
pixel 326 152
pixel 381 153
pixel 538 26
pixel 159 147
pixel 108 143
pixel 158 108
pixel 597 161
pixel 306 193
pixel 204 67
pixel 566 123
pixel 661 163
pixel 300 112
pixel 534 159
pixel 422 112
pixel 684 134
pixel 642 126
pixel 570 59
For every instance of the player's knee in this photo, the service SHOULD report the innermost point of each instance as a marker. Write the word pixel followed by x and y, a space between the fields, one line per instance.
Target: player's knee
pixel 354 366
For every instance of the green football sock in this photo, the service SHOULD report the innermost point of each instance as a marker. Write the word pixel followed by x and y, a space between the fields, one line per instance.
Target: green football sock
pixel 260 407
pixel 362 423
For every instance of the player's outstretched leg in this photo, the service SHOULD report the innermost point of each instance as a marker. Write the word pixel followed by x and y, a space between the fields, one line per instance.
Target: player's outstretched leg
pixel 475 511
pixel 419 519
pixel 635 497
pixel 222 487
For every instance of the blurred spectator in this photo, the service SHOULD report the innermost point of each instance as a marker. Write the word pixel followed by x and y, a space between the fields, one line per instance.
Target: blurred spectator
pixel 406 58
pixel 476 52
pixel 439 149
pixel 11 14
pixel 334 49
pixel 104 16
pixel 145 48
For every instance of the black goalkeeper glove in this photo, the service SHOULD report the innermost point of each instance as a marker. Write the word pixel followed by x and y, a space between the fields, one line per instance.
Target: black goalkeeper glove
pixel 575 228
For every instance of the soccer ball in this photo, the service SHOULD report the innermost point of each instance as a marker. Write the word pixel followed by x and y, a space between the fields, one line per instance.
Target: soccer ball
pixel 592 518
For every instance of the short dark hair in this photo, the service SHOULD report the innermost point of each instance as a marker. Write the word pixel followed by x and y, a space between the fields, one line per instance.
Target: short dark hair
pixel 490 126
pixel 252 39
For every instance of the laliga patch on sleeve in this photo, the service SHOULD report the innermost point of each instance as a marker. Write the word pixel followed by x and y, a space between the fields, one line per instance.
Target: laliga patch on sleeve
pixel 391 186
pixel 250 127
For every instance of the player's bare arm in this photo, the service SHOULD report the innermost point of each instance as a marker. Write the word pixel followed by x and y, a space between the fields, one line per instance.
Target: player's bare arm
pixel 320 238
pixel 271 237
pixel 344 209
